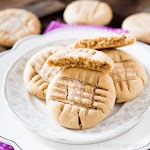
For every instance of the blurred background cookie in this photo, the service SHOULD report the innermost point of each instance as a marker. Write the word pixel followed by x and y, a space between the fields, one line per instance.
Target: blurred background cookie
pixel 139 25
pixel 88 12
pixel 15 24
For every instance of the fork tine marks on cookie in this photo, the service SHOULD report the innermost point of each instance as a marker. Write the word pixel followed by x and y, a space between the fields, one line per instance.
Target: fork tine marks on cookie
pixel 37 74
pixel 129 75
pixel 86 101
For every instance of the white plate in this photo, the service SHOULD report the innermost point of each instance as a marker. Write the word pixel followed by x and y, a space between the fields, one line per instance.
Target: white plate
pixel 32 112
pixel 3 53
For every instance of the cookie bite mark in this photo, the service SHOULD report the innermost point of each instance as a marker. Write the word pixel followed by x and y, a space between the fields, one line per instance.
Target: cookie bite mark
pixel 106 42
pixel 82 58
pixel 37 75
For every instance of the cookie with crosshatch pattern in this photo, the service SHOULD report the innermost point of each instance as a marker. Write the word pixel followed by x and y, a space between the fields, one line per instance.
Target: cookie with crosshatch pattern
pixel 129 75
pixel 37 75
pixel 80 98
pixel 16 24
pixel 88 12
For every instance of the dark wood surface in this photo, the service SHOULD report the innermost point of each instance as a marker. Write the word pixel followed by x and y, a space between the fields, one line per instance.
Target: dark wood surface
pixel 48 10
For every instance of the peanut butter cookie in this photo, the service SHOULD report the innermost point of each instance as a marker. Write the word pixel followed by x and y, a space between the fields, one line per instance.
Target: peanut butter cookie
pixel 138 25
pixel 15 24
pixel 129 75
pixel 82 58
pixel 106 42
pixel 80 98
pixel 37 75
pixel 88 12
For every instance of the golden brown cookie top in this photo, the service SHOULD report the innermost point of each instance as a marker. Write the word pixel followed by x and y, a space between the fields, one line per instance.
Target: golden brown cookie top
pixel 88 12
pixel 15 24
pixel 82 58
pixel 37 75
pixel 82 94
pixel 129 75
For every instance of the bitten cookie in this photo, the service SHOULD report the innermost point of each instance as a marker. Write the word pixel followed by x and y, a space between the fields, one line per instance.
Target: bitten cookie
pixel 129 75
pixel 106 42
pixel 37 75
pixel 15 24
pixel 88 12
pixel 139 25
pixel 79 98
pixel 82 58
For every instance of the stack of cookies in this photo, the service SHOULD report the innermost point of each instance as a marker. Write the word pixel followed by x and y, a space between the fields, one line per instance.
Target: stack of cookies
pixel 81 83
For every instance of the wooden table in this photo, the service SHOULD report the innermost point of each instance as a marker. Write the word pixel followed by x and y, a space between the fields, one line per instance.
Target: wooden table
pixel 54 9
